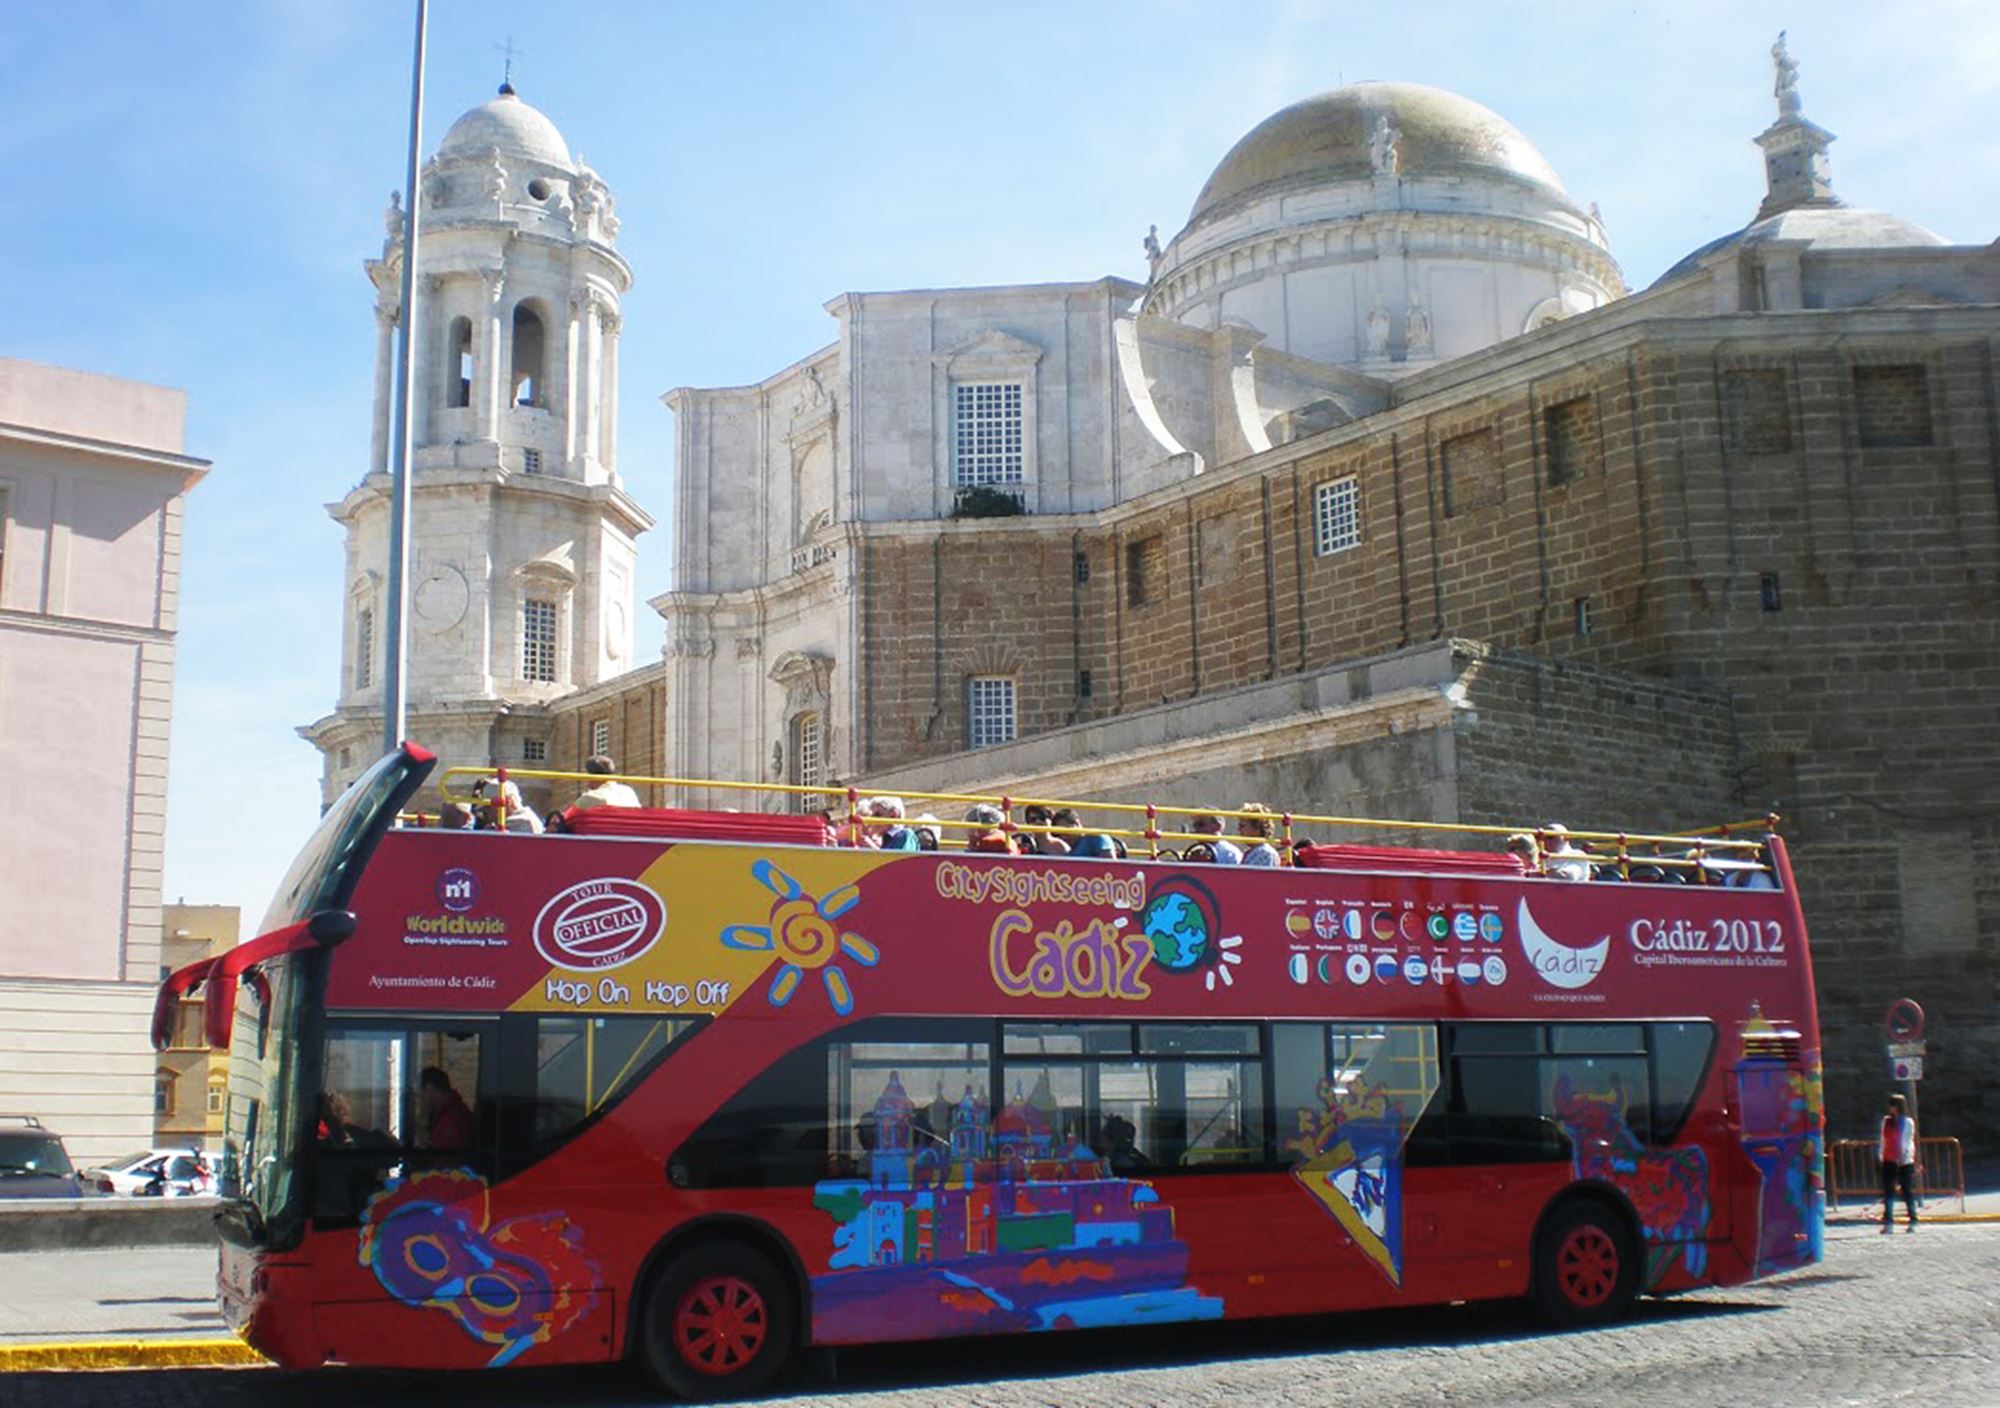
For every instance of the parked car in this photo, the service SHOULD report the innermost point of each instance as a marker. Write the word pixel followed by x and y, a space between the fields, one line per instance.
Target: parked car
pixel 155 1173
pixel 33 1162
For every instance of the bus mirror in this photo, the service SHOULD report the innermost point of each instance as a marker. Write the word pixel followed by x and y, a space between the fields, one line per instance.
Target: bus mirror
pixel 331 926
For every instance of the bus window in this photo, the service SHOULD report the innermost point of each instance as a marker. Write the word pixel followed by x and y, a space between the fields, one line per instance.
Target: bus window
pixel 1594 1094
pixel 907 1087
pixel 1365 1082
pixel 583 1064
pixel 1193 1099
pixel 1597 1038
pixel 397 1097
pixel 1681 1053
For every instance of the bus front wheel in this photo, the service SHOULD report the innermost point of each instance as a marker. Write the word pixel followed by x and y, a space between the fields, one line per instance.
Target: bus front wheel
pixel 718 1323
pixel 1586 1269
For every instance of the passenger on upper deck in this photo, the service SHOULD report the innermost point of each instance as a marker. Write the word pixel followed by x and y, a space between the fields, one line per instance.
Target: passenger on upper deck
pixel 455 816
pixel 989 833
pixel 608 793
pixel 1213 845
pixel 1045 843
pixel 886 832
pixel 1525 849
pixel 1256 833
pixel 503 809
pixel 927 828
pixel 1566 859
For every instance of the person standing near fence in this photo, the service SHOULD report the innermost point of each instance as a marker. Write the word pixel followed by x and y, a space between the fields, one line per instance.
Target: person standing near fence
pixel 1899 1164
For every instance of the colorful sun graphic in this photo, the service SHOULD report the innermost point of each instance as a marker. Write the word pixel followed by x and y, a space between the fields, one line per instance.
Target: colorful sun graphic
pixel 1181 920
pixel 803 933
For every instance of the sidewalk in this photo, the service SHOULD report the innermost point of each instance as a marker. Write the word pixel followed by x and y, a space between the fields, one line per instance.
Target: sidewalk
pixel 123 1307
pixel 1979 1207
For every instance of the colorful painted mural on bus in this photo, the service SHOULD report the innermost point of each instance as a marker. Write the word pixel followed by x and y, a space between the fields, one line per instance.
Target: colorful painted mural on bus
pixel 513 1286
pixel 1780 1134
pixel 1351 1147
pixel 1669 1188
pixel 1002 1226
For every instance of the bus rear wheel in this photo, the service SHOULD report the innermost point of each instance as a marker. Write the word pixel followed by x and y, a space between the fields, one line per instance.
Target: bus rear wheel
pixel 1586 1269
pixel 718 1323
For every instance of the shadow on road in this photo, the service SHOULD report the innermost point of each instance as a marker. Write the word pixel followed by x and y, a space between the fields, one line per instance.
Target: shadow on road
pixel 875 1368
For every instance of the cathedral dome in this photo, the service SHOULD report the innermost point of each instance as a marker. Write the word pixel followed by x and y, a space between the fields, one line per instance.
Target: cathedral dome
pixel 1326 139
pixel 509 124
pixel 1819 228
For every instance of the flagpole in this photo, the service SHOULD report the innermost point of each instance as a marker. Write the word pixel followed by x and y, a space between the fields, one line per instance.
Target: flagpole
pixel 395 703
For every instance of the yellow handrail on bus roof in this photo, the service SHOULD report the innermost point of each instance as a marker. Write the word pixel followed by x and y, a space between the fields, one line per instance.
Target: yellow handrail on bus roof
pixel 1712 847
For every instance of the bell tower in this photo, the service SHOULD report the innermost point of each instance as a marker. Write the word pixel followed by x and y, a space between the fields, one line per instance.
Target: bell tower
pixel 522 536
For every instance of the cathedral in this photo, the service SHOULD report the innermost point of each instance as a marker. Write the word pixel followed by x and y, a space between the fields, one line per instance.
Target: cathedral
pixel 1381 496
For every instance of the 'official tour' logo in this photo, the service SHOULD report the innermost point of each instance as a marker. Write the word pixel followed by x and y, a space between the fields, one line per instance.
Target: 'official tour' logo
pixel 600 924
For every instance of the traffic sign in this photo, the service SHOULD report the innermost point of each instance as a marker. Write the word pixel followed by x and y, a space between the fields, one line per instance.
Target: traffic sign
pixel 1906 1048
pixel 1906 1068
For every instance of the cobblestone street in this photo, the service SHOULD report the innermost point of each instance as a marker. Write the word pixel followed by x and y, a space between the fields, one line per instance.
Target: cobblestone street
pixel 1884 1320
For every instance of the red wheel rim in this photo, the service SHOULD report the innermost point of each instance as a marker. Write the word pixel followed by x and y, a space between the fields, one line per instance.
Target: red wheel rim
pixel 720 1324
pixel 1587 1266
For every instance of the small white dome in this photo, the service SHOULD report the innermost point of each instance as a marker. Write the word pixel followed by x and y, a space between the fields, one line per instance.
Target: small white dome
pixel 513 126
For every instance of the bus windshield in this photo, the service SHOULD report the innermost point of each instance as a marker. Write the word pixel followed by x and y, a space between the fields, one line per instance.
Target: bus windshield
pixel 265 1125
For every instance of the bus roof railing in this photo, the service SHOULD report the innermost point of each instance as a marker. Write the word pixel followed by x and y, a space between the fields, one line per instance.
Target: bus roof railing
pixel 1710 852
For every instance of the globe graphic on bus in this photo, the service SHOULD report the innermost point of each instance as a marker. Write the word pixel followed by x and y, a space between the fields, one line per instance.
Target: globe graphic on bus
pixel 1178 930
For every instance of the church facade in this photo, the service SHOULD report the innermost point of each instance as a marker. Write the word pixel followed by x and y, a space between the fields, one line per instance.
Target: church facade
pixel 1383 496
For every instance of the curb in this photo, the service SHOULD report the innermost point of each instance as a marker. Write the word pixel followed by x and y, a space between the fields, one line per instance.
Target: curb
pixel 128 1354
pixel 1946 1217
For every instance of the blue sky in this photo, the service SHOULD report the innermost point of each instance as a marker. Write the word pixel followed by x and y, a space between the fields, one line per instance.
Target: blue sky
pixel 193 188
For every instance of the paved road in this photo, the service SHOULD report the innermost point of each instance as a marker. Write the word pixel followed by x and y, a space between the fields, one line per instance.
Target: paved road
pixel 109 1293
pixel 1885 1320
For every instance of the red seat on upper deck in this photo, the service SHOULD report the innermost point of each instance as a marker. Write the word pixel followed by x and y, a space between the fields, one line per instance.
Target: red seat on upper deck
pixel 1408 858
pixel 777 829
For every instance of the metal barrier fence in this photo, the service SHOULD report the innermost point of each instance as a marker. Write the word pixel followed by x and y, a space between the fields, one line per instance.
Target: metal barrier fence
pixel 1854 1170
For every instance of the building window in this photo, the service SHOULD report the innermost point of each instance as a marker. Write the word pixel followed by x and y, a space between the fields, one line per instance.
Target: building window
pixel 538 641
pixel 531 461
pixel 529 341
pixel 1336 516
pixel 1892 406
pixel 600 738
pixel 1471 472
pixel 1582 608
pixel 458 364
pixel 1145 571
pixel 163 1092
pixel 991 711
pixel 808 761
pixel 1770 594
pixel 1570 432
pixel 1756 412
pixel 986 433
pixel 364 647
pixel 534 750
pixel 215 1089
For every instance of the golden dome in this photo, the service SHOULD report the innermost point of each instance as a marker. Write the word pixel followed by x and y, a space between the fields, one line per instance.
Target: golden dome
pixel 1325 139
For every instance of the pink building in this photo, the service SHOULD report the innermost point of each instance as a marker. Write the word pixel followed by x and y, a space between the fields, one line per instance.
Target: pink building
pixel 92 480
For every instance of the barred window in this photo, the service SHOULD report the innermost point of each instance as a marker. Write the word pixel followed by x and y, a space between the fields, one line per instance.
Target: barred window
pixel 538 640
pixel 531 461
pixel 364 647
pixel 1336 516
pixel 808 761
pixel 534 750
pixel 600 738
pixel 986 433
pixel 992 711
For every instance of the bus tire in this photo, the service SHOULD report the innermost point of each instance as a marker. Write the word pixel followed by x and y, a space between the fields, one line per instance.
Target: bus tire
pixel 718 1322
pixel 1586 1266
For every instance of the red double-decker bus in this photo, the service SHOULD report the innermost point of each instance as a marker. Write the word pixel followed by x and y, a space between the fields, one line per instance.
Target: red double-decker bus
pixel 700 1088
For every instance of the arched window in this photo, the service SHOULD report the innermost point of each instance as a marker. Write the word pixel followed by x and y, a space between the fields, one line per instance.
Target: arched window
pixel 364 647
pixel 808 761
pixel 458 364
pixel 530 339
pixel 217 1085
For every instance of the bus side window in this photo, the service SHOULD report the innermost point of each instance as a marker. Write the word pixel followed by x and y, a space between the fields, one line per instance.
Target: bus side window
pixel 1336 1082
pixel 397 1098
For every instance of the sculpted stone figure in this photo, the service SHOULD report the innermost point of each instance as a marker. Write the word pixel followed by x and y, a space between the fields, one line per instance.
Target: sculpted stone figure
pixel 496 176
pixel 1382 154
pixel 392 218
pixel 1154 254
pixel 1416 331
pixel 1786 84
pixel 1378 331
